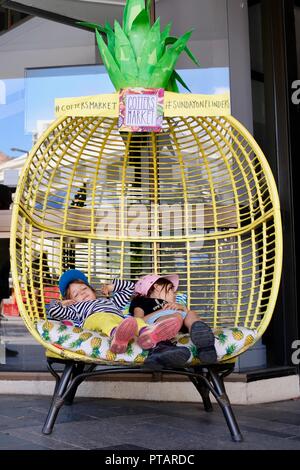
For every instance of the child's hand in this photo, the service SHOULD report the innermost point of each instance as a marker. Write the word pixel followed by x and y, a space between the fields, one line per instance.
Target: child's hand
pixel 66 303
pixel 106 289
pixel 174 306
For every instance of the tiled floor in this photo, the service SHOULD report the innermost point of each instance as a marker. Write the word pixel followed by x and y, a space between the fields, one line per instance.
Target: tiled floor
pixel 92 423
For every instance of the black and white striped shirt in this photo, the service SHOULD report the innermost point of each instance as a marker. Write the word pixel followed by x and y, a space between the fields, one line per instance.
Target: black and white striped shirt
pixel 78 312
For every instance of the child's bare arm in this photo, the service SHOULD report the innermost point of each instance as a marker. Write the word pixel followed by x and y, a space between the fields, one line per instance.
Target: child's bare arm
pixel 174 306
pixel 106 289
pixel 66 303
pixel 138 312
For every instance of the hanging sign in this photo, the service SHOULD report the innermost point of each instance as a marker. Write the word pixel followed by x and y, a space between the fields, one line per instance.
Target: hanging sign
pixel 189 104
pixel 97 105
pixel 141 109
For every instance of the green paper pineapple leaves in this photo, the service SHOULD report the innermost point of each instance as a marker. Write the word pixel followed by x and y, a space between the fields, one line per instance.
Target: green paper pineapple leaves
pixel 139 54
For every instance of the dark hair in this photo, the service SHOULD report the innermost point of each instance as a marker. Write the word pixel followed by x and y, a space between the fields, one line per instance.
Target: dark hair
pixel 76 281
pixel 163 283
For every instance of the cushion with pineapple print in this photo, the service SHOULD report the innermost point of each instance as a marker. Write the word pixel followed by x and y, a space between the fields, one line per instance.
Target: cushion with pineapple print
pixel 229 342
pixel 64 335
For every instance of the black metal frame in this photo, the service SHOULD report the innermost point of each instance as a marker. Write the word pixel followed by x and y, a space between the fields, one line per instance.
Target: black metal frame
pixel 282 126
pixel 281 147
pixel 41 13
pixel 206 379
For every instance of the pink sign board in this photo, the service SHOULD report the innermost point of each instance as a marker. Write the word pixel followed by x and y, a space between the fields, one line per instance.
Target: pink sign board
pixel 141 109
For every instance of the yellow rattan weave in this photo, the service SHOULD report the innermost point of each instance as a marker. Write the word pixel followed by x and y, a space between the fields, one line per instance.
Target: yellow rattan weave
pixel 198 199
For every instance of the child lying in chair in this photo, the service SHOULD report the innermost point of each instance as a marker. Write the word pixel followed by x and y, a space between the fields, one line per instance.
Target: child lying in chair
pixel 80 303
pixel 155 301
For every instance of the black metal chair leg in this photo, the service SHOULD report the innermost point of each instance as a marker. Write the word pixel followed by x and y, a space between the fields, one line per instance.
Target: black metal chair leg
pixel 225 405
pixel 57 402
pixel 54 374
pixel 204 392
pixel 78 369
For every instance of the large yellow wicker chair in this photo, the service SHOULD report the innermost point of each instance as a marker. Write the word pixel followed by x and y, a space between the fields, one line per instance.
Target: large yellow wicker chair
pixel 198 199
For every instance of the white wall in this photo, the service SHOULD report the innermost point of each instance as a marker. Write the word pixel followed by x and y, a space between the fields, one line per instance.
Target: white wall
pixel 209 40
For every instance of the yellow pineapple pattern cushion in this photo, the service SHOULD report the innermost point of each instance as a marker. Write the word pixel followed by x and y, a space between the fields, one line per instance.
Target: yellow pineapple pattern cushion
pixel 229 342
pixel 64 335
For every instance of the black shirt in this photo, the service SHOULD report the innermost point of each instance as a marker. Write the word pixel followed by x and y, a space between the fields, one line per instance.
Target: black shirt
pixel 147 304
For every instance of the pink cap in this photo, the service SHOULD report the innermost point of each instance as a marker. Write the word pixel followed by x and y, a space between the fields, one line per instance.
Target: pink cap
pixel 143 285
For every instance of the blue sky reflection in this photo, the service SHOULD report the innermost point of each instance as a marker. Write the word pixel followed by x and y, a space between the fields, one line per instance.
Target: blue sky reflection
pixel 27 104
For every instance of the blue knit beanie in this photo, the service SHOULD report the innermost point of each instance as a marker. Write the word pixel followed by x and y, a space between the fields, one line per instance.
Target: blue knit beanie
pixel 69 276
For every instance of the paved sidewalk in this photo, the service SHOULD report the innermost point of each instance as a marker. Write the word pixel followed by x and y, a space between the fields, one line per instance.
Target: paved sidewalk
pixel 108 424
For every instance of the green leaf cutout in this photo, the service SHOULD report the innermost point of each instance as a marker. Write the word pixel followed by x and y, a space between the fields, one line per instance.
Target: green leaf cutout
pixel 125 56
pixel 132 9
pixel 111 66
pixel 164 68
pixel 138 34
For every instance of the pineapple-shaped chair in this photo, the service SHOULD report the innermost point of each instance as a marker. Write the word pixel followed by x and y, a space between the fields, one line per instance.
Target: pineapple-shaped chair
pixel 197 199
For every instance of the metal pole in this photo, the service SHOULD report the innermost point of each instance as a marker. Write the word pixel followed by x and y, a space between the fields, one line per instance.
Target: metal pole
pixel 152 11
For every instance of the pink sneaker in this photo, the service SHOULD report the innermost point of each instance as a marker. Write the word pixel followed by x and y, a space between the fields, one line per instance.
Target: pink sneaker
pixel 160 331
pixel 124 332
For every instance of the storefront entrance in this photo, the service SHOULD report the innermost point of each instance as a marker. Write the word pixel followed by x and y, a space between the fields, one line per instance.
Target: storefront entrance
pixel 276 127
